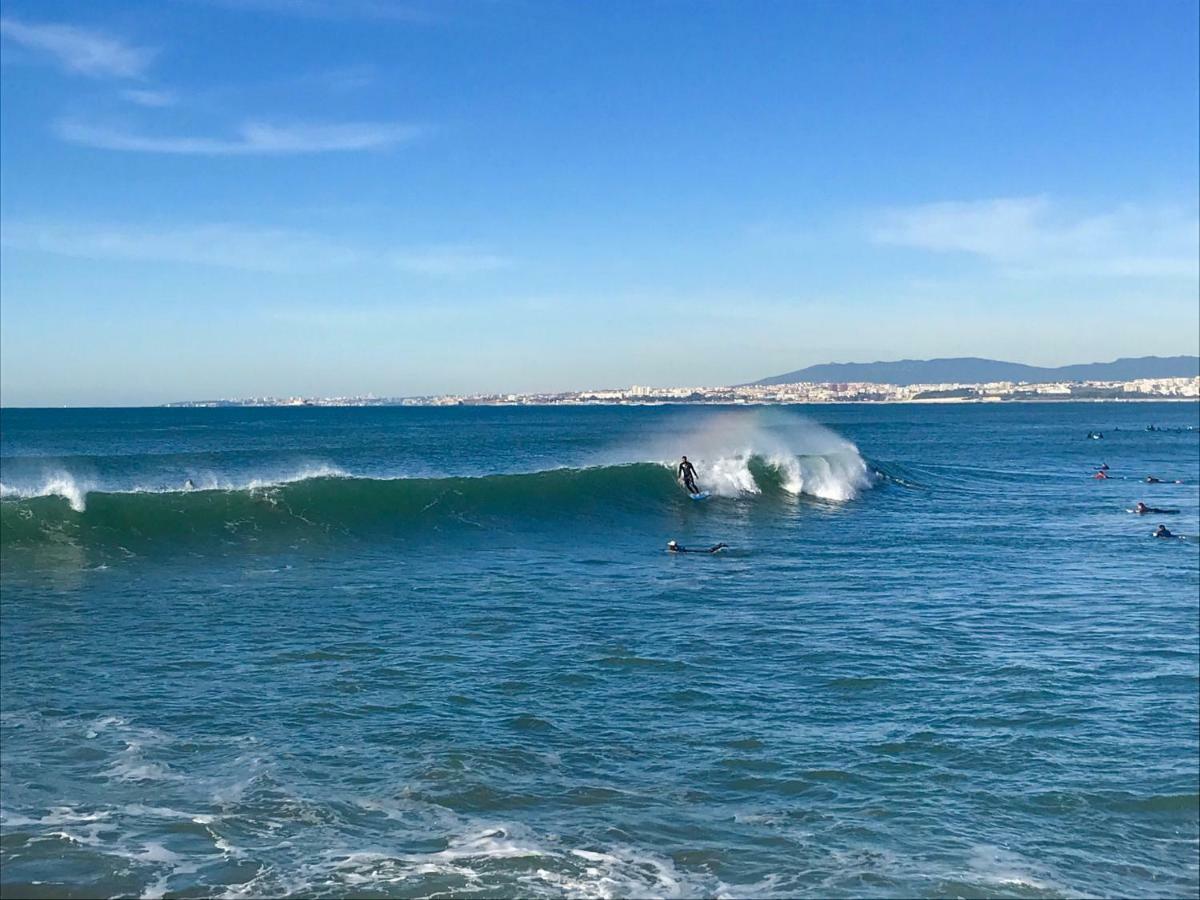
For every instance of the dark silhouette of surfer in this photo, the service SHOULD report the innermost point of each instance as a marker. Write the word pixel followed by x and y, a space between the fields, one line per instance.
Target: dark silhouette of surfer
pixel 687 472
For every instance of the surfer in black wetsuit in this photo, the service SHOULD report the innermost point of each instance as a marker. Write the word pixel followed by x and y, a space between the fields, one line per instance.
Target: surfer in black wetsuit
pixel 1163 532
pixel 675 548
pixel 687 472
pixel 1141 509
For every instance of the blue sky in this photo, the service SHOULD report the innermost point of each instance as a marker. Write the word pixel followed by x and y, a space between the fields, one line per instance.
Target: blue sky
pixel 208 198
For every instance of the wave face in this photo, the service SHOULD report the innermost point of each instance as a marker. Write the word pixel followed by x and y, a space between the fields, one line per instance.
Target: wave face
pixel 135 500
pixel 60 510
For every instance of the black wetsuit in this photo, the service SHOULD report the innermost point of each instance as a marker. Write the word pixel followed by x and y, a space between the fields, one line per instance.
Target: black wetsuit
pixel 688 473
pixel 712 549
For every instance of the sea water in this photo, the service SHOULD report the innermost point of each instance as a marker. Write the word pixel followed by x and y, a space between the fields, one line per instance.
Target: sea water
pixel 444 652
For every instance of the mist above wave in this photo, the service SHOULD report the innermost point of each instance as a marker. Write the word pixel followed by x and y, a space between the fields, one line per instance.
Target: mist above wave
pixel 728 447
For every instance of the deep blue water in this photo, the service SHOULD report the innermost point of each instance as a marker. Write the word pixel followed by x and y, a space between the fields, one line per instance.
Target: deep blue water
pixel 443 652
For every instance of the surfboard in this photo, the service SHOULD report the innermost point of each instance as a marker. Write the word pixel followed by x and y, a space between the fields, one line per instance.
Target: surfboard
pixel 703 495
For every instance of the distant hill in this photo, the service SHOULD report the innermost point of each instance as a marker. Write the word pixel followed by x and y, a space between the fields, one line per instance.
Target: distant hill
pixel 973 370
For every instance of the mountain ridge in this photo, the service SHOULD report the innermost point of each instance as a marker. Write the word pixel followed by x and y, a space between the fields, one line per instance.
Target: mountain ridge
pixel 977 370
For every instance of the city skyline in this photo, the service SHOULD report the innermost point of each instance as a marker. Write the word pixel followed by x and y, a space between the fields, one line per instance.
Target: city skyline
pixel 1157 389
pixel 251 197
pixel 1145 378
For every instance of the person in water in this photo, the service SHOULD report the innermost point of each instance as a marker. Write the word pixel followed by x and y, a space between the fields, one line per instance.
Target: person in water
pixel 673 547
pixel 1163 532
pixel 687 472
pixel 1101 474
pixel 1141 509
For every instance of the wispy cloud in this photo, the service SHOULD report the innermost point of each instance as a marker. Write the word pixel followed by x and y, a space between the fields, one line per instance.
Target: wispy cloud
pixel 252 138
pixel 231 246
pixel 80 50
pixel 449 260
pixel 153 99
pixel 222 245
pixel 340 79
pixel 1031 236
pixel 395 10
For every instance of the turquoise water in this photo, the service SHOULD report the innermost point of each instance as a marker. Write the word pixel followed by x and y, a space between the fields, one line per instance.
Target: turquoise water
pixel 443 652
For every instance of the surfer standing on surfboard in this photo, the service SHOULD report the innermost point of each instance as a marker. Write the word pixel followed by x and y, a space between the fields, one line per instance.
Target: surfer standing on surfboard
pixel 687 472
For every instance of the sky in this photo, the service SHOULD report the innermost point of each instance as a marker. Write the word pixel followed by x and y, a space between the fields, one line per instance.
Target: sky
pixel 234 198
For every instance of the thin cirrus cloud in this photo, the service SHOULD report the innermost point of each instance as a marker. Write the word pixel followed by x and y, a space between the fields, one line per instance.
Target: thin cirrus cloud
pixel 152 99
pixel 449 260
pixel 80 50
pixel 383 10
pixel 223 245
pixel 251 138
pixel 1032 237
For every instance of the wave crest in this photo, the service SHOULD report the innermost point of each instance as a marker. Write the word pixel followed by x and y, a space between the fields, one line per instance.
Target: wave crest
pixel 55 512
pixel 748 457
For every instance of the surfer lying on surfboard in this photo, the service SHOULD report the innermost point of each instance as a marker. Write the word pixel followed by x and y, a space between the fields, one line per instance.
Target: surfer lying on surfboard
pixel 675 548
pixel 1142 509
pixel 687 474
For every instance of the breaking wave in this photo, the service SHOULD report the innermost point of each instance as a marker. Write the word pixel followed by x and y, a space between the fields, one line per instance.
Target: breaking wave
pixel 755 460
pixel 62 510
pixel 75 490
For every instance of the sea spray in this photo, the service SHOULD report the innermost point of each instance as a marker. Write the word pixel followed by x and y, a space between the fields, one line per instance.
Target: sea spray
pixel 75 489
pixel 807 458
pixel 58 484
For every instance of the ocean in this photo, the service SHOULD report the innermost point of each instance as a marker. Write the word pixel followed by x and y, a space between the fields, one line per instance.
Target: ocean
pixel 401 652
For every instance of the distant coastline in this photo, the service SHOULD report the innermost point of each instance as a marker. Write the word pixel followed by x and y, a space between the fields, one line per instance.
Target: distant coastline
pixel 1141 390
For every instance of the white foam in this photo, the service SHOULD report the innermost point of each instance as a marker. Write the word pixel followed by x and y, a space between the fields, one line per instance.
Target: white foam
pixel 59 484
pixel 491 844
pixel 839 475
pixel 807 458
pixel 727 476
pixel 154 852
pixel 477 857
pixel 88 836
pixel 58 815
pixel 75 489
pixel 1004 868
